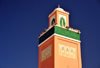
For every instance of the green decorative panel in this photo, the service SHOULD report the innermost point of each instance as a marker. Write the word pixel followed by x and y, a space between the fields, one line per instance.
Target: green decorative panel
pixel 62 21
pixel 66 33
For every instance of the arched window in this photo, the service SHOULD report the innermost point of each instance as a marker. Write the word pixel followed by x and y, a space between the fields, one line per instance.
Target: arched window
pixel 67 50
pixel 49 49
pixel 71 51
pixel 62 21
pixel 62 48
pixel 53 21
pixel 44 53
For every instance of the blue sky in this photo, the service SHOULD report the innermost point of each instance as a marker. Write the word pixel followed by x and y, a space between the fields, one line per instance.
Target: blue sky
pixel 21 21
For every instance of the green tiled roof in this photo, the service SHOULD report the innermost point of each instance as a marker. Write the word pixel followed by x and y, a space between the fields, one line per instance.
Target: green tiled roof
pixel 66 33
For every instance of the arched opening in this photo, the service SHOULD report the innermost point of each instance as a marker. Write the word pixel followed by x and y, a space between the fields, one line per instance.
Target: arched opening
pixel 53 21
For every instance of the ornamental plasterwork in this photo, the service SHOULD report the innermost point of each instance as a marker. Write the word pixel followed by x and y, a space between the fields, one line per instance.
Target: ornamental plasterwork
pixel 46 53
pixel 67 51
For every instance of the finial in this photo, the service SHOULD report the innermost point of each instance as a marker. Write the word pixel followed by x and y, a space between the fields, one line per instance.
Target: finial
pixel 58 6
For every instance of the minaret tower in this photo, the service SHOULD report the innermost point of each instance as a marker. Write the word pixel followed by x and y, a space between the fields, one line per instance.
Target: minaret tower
pixel 59 45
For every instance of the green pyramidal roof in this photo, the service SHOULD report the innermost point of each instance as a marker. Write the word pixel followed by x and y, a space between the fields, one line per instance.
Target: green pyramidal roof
pixel 59 31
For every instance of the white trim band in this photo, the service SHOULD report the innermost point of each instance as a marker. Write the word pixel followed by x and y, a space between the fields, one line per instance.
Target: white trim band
pixel 67 37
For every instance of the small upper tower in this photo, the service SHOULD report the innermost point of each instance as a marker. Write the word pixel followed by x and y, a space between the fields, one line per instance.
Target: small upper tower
pixel 60 17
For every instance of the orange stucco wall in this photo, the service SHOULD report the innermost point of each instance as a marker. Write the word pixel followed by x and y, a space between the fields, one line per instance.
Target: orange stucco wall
pixel 56 60
pixel 62 61
pixel 49 62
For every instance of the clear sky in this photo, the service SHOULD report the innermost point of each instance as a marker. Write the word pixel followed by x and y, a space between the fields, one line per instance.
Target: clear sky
pixel 21 21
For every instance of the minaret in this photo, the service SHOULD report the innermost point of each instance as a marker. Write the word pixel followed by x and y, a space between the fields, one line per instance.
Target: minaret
pixel 59 45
